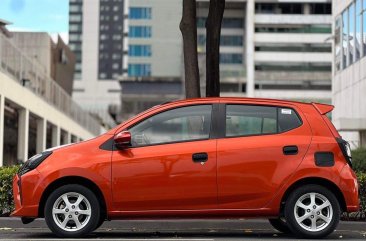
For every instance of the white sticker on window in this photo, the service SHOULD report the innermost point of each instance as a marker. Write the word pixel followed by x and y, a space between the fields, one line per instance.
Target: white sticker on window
pixel 286 111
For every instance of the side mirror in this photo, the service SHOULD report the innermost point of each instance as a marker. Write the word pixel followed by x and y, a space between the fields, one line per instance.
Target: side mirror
pixel 122 140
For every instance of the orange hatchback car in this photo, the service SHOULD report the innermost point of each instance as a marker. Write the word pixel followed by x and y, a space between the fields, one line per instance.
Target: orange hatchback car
pixel 198 158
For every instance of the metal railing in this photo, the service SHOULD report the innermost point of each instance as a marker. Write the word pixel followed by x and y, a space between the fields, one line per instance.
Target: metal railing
pixel 32 75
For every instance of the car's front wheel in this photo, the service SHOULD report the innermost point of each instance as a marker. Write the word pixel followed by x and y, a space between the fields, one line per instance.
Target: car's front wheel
pixel 312 211
pixel 72 211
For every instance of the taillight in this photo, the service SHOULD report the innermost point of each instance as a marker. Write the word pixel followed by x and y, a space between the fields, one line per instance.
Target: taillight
pixel 346 150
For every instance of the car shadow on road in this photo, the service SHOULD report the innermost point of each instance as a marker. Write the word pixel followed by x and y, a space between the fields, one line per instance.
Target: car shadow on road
pixel 220 235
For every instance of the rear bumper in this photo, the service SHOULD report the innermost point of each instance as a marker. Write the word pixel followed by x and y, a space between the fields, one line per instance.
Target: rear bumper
pixel 349 186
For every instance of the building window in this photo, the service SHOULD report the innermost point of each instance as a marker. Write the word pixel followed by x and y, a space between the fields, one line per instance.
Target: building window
pixel 140 32
pixel 139 70
pixel 117 37
pixel 103 37
pixel 75 27
pixel 75 37
pixel 102 76
pixel 358 34
pixel 233 23
pixel 231 58
pixel 351 37
pixel 364 27
pixel 226 23
pixel 115 66
pixel 318 28
pixel 75 8
pixel 140 13
pixel 344 38
pixel 321 8
pixel 75 18
pixel 226 40
pixel 116 56
pixel 139 50
pixel 231 40
pixel 337 43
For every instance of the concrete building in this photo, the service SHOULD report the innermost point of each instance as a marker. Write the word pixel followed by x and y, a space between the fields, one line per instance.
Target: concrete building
pixel 274 49
pixel 269 48
pixel 57 58
pixel 35 112
pixel 96 29
pixel 349 76
pixel 155 55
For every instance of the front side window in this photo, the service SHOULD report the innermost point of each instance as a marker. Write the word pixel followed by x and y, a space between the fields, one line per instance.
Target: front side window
pixel 177 125
pixel 247 120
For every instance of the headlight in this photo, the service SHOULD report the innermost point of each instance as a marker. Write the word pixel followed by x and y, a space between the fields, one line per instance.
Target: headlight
pixel 348 150
pixel 34 162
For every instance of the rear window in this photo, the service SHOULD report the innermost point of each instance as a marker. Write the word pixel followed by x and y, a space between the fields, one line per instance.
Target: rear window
pixel 246 120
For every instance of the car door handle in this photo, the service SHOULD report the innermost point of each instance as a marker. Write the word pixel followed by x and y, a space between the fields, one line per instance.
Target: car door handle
pixel 290 150
pixel 200 157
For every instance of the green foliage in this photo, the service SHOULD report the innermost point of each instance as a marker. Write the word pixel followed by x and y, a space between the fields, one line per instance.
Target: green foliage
pixel 6 190
pixel 359 160
pixel 362 182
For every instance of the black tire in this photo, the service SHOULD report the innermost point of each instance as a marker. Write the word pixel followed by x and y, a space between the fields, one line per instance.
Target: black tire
pixel 306 192
pixel 100 223
pixel 91 222
pixel 280 225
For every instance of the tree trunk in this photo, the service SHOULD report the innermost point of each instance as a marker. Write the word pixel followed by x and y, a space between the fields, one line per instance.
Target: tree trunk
pixel 188 27
pixel 213 33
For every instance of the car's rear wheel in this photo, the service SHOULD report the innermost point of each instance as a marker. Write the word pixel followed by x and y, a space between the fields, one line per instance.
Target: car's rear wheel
pixel 312 211
pixel 72 211
pixel 280 224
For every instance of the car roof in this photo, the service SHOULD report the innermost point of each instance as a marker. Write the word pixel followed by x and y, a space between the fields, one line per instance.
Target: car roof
pixel 230 99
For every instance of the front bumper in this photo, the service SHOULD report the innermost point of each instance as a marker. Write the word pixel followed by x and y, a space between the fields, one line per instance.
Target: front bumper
pixel 23 208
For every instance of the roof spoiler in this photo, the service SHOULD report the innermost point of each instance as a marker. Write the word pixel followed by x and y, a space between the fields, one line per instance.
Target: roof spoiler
pixel 323 108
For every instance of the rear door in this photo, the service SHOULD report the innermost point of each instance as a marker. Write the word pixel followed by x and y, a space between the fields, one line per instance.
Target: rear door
pixel 263 145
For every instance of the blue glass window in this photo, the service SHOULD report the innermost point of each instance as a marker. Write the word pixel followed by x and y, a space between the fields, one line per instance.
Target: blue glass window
pixel 140 13
pixel 226 22
pixel 139 70
pixel 231 58
pixel 139 50
pixel 140 32
pixel 226 40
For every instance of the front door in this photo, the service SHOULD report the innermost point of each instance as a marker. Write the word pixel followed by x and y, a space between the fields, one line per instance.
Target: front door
pixel 171 164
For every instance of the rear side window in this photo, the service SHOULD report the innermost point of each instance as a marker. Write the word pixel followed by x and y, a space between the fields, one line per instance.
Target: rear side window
pixel 287 119
pixel 246 120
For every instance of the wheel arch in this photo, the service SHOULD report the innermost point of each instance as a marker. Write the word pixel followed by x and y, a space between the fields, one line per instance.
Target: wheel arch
pixel 317 181
pixel 72 180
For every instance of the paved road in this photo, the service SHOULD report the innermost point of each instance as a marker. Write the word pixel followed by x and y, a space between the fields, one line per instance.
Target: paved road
pixel 186 230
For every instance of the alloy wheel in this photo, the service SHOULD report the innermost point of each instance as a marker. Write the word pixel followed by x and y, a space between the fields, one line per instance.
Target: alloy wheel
pixel 71 211
pixel 313 212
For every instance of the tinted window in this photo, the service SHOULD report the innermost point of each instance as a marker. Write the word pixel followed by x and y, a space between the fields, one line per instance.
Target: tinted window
pixel 243 120
pixel 177 125
pixel 287 119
